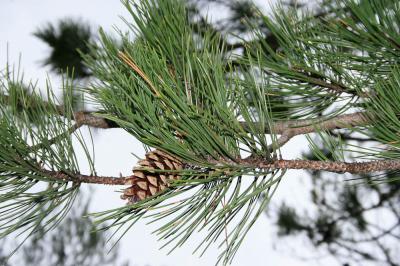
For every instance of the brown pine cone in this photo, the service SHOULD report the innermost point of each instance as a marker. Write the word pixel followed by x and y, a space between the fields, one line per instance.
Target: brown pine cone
pixel 146 182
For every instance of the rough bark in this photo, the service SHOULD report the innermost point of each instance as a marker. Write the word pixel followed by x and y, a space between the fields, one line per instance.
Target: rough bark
pixel 335 167
pixel 79 178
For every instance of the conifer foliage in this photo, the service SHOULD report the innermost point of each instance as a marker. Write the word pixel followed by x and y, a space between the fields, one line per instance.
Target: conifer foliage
pixel 216 121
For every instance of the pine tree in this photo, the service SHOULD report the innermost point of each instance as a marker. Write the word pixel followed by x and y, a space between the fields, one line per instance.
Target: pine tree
pixel 222 118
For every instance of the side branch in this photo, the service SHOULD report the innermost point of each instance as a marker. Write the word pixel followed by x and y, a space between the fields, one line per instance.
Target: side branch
pixel 289 128
pixel 305 126
pixel 81 118
pixel 336 167
pixel 79 178
pixel 86 118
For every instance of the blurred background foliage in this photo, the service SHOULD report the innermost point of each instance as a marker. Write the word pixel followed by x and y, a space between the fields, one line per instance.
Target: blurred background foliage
pixel 74 242
pixel 67 39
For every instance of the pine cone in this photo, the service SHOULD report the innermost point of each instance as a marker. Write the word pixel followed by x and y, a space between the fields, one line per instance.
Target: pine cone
pixel 145 182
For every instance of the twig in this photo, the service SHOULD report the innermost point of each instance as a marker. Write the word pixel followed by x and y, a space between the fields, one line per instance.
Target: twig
pixel 87 118
pixel 282 140
pixel 304 126
pixel 386 253
pixel 289 129
pixel 79 178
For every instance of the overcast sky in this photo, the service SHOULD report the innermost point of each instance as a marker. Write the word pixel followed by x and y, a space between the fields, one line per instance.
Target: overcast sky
pixel 18 19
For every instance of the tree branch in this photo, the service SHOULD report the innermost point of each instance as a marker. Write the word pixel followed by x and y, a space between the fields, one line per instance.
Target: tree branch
pixel 329 166
pixel 291 128
pixel 298 127
pixel 79 178
pixel 81 117
pixel 87 118
pixel 337 167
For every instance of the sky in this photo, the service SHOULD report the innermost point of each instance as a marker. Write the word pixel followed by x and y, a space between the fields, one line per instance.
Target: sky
pixel 114 147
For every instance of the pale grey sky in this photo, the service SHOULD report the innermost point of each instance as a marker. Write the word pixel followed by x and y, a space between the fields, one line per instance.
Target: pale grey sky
pixel 18 19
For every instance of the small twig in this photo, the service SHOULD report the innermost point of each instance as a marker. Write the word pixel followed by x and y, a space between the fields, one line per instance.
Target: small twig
pixel 282 140
pixel 79 178
pixel 296 127
pixel 386 253
pixel 290 129
pixel 305 126
pixel 87 118
pixel 321 82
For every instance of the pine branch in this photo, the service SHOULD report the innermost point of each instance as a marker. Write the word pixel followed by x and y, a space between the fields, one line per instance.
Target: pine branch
pixel 81 117
pixel 79 178
pixel 87 118
pixel 329 166
pixel 289 128
pixel 128 97
pixel 305 126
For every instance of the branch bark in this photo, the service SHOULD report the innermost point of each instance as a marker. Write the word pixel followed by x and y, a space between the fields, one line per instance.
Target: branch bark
pixel 81 117
pixel 335 167
pixel 290 128
pixel 305 126
pixel 87 118
pixel 79 178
